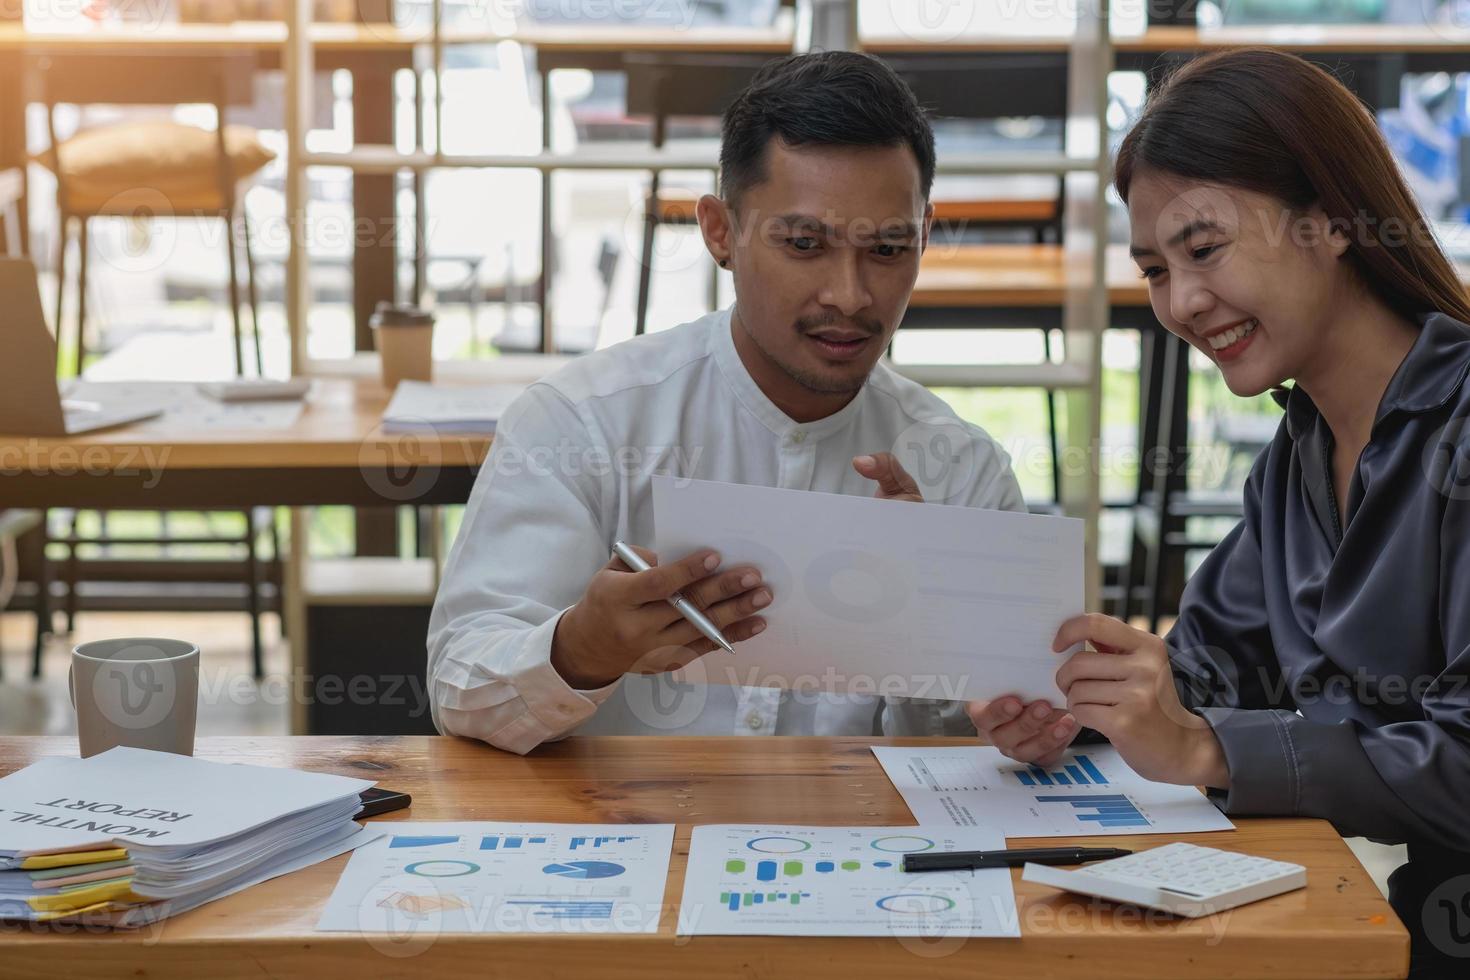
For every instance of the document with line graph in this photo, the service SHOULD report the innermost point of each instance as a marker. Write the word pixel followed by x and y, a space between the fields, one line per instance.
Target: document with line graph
pixel 1091 791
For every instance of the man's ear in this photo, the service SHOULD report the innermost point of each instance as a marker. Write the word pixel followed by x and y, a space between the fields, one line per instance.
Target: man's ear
pixel 927 226
pixel 717 225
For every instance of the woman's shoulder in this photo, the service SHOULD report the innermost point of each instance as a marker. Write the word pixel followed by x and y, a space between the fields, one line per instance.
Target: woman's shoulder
pixel 1433 373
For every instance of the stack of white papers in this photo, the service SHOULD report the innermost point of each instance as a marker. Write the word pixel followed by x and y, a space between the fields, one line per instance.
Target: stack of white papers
pixel 474 409
pixel 131 836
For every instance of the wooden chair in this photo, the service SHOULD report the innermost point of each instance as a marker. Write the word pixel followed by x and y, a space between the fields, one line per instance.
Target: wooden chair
pixel 150 168
pixel 155 169
pixel 12 191
pixel 992 87
pixel 664 86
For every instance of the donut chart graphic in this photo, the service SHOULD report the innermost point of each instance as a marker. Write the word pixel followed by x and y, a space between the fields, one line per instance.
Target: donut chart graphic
pixel 915 903
pixel 779 845
pixel 453 869
pixel 902 844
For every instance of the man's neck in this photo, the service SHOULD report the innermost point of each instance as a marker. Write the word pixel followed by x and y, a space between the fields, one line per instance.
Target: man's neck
pixel 795 400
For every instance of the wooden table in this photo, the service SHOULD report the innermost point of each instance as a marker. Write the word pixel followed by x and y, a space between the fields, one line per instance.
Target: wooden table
pixel 1371 58
pixel 1018 286
pixel 987 276
pixel 271 35
pixel 335 453
pixel 1300 38
pixel 1338 926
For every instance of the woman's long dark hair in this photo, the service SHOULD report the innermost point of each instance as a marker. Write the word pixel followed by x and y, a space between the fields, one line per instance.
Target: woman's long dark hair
pixel 1270 122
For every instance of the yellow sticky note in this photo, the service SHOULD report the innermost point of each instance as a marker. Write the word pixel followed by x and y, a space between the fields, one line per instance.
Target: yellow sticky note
pixel 77 898
pixel 39 862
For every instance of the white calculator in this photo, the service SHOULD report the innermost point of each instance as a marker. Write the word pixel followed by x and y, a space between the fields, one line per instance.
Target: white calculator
pixel 1183 879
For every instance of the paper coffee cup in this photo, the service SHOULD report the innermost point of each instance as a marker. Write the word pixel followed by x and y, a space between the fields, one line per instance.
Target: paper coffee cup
pixel 405 339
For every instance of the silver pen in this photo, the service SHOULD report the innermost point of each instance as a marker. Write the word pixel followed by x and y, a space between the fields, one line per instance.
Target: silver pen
pixel 686 608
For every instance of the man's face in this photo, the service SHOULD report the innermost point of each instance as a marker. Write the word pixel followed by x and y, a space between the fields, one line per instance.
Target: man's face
pixel 825 252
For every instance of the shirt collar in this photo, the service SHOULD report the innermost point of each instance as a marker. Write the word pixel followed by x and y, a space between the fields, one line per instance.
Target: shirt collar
pixel 722 348
pixel 1431 374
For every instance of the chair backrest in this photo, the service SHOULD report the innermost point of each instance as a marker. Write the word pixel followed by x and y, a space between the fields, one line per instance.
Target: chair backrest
pixel 957 87
pixel 133 79
pixel 664 85
pixel 12 190
pixel 607 269
pixel 989 87
pixel 222 79
pixel 29 401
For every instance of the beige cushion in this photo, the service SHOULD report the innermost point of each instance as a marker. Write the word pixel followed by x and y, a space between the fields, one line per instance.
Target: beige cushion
pixel 152 164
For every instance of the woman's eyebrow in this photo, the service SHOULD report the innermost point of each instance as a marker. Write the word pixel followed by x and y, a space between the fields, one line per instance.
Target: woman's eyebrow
pixel 1193 228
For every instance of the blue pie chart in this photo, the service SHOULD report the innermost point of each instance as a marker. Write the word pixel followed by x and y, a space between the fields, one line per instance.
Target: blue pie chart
pixel 585 869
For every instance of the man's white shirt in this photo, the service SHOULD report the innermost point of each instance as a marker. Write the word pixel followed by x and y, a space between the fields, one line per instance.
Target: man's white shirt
pixel 571 471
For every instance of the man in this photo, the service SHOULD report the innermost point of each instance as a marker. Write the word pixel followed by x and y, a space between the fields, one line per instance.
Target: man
pixel 826 164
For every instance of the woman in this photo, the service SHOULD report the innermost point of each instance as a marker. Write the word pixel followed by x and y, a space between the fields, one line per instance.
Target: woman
pixel 1320 662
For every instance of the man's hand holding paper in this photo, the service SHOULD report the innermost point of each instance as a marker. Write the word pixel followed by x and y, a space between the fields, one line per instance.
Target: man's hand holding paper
pixel 624 623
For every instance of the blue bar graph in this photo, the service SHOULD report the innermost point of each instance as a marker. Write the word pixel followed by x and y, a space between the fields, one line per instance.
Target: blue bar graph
pixel 598 841
pixel 574 909
pixel 735 901
pixel 506 843
pixel 1091 770
pixel 405 841
pixel 1110 811
pixel 766 871
pixel 825 866
pixel 1081 772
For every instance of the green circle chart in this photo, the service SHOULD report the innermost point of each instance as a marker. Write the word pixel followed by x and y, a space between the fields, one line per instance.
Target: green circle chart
pixel 902 844
pixel 779 845
pixel 914 903
pixel 418 868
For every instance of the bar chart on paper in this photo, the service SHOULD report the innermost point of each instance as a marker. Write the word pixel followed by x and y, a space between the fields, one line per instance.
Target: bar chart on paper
pixel 504 877
pixel 1081 771
pixel 1089 792
pixel 839 881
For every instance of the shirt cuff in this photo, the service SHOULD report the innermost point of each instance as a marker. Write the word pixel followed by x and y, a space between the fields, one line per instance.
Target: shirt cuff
pixel 555 703
pixel 1261 759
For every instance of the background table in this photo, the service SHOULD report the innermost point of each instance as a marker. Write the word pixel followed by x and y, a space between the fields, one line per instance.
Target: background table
pixel 335 453
pixel 1338 926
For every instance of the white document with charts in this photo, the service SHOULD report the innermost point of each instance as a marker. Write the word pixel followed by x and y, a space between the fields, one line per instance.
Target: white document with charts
pixel 428 878
pixel 841 881
pixel 884 597
pixel 1089 791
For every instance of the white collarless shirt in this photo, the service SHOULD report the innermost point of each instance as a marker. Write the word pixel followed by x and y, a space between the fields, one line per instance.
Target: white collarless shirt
pixel 570 471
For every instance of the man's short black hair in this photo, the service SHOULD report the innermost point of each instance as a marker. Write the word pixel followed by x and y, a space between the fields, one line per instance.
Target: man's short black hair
pixel 831 98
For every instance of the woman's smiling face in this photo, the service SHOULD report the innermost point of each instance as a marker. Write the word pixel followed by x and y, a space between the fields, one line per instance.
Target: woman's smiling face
pixel 1237 274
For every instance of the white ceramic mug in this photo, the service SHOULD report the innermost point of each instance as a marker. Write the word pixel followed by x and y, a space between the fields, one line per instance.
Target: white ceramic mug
pixel 141 692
